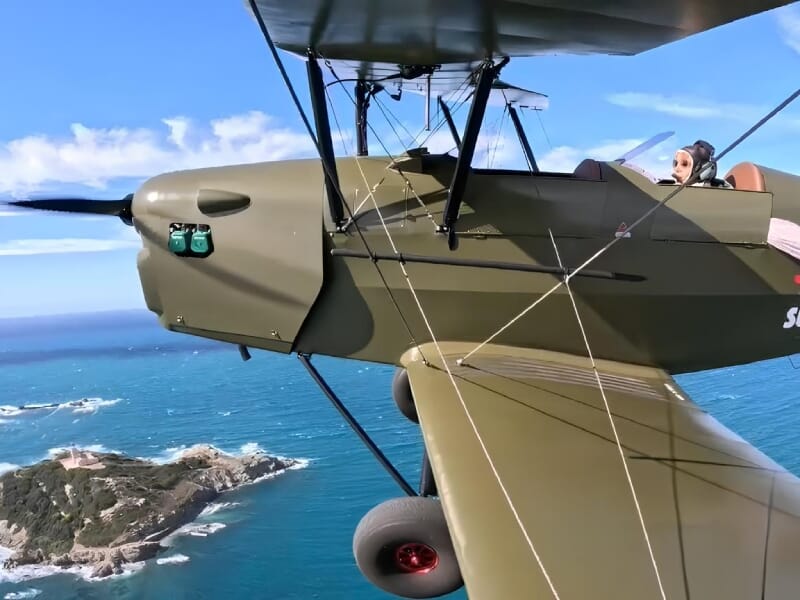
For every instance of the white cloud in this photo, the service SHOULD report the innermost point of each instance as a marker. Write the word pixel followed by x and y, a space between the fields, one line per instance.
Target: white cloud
pixel 491 150
pixel 64 246
pixel 684 106
pixel 693 107
pixel 789 25
pixel 93 157
pixel 564 159
pixel 13 213
pixel 561 159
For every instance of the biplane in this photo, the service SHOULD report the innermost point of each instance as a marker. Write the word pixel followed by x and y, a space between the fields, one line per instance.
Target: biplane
pixel 535 334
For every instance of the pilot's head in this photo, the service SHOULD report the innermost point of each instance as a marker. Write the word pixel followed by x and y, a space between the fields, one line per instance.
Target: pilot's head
pixel 692 159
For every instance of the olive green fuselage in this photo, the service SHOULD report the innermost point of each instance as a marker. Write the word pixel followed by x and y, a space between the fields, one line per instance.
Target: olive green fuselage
pixel 701 286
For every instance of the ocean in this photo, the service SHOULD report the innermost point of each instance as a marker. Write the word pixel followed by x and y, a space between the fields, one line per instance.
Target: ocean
pixel 152 394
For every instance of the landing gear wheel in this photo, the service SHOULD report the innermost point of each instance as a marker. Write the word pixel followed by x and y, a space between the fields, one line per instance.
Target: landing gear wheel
pixel 403 547
pixel 401 392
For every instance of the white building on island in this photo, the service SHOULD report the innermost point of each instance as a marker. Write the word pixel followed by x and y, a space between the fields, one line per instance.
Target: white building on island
pixel 79 459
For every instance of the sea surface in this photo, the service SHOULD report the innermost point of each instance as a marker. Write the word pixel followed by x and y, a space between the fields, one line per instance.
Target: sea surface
pixel 152 393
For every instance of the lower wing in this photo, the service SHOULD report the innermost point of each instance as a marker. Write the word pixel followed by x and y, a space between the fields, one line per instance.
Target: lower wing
pixel 540 504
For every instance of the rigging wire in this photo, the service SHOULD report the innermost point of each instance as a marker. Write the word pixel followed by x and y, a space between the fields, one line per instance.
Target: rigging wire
pixel 386 150
pixel 392 127
pixel 459 103
pixel 692 179
pixel 352 100
pixel 338 126
pixel 490 161
pixel 611 421
pixel 325 166
pixel 474 427
pixel 383 109
pixel 544 131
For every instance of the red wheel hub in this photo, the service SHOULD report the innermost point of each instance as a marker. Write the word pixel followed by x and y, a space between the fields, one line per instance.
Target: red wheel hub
pixel 416 557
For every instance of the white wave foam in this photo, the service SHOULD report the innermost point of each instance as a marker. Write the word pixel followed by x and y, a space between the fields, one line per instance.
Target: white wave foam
pixel 175 559
pixel 99 448
pixel 89 405
pixel 82 406
pixel 6 467
pixel 175 453
pixel 30 572
pixel 194 530
pixel 251 448
pixel 128 569
pixel 215 507
pixel 29 593
pixel 169 455
pixel 300 463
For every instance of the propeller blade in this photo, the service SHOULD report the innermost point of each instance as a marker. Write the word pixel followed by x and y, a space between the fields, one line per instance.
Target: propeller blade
pixel 115 208
pixel 644 146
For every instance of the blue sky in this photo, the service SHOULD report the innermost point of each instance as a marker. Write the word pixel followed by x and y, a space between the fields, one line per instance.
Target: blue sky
pixel 98 96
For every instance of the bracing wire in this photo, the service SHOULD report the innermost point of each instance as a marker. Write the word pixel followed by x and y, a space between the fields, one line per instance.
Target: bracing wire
pixel 498 137
pixel 474 427
pixel 345 147
pixel 459 102
pixel 611 421
pixel 384 110
pixel 391 125
pixel 544 131
pixel 691 180
pixel 386 150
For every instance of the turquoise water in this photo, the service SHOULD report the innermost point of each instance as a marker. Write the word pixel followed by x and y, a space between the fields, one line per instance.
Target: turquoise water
pixel 154 393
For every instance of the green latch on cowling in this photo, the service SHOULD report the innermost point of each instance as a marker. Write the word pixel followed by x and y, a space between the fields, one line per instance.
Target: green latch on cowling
pixel 189 239
pixel 201 241
pixel 179 241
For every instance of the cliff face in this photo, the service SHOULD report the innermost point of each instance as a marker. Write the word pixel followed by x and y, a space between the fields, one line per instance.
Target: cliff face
pixel 106 509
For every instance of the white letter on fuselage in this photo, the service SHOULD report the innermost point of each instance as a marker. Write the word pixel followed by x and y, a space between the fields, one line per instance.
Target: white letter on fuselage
pixel 791 318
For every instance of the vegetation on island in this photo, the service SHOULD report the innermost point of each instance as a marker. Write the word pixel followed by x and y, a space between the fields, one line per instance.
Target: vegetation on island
pixel 37 499
pixel 106 509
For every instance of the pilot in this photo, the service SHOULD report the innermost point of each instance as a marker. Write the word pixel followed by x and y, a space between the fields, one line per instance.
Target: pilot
pixel 698 160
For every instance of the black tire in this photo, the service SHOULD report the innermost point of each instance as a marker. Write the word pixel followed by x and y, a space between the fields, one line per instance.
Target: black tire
pixel 403 398
pixel 395 532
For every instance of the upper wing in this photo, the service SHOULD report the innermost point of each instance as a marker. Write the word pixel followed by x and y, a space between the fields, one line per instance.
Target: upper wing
pixel 432 32
pixel 723 519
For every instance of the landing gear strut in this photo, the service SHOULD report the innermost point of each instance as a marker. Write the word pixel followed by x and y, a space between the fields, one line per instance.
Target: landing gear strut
pixel 403 547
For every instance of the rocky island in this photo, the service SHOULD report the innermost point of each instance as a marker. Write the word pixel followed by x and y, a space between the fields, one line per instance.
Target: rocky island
pixel 102 510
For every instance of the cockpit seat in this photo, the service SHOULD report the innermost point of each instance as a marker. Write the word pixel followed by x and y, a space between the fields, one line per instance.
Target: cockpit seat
pixel 746 176
pixel 588 169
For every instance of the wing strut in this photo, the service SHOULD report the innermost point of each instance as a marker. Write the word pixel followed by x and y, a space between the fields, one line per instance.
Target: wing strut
pixel 450 122
pixel 362 104
pixel 371 445
pixel 486 76
pixel 523 139
pixel 317 88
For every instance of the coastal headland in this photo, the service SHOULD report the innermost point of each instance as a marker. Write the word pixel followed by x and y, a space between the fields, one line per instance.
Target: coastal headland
pixel 103 510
